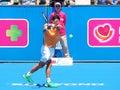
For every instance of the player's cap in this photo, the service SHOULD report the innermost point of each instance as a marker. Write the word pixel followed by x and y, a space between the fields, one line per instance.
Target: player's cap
pixel 57 4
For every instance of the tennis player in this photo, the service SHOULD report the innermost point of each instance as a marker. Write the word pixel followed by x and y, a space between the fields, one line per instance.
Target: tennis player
pixel 51 37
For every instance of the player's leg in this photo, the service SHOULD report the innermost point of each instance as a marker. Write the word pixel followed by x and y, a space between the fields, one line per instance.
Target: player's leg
pixel 45 56
pixel 35 68
pixel 63 41
pixel 48 69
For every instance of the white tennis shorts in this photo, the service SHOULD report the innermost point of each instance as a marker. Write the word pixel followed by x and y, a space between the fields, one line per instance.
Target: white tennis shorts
pixel 47 53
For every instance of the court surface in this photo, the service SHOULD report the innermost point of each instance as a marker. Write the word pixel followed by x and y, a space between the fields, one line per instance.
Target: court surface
pixel 80 76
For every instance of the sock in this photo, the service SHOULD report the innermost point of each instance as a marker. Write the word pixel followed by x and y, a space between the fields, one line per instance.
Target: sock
pixel 48 80
pixel 28 74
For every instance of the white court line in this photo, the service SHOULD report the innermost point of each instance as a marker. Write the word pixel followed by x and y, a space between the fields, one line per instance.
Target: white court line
pixel 62 84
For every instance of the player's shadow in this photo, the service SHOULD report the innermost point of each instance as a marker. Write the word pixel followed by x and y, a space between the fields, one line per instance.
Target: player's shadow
pixel 37 86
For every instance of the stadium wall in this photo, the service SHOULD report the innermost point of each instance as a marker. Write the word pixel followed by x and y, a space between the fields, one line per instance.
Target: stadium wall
pixel 82 22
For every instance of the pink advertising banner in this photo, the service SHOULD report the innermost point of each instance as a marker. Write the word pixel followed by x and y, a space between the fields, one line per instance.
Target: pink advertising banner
pixel 14 32
pixel 103 32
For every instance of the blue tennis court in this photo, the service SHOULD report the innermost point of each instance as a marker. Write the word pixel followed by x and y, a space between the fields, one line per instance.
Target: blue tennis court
pixel 80 76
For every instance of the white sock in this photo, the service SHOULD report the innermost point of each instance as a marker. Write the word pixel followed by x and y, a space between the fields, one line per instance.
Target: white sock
pixel 28 74
pixel 48 80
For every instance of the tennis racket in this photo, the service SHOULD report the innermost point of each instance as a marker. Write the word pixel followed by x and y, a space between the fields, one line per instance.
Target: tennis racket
pixel 45 18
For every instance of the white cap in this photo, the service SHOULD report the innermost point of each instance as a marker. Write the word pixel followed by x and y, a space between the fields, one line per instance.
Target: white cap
pixel 58 3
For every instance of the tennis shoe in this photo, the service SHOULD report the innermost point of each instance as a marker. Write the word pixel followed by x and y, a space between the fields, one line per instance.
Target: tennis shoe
pixel 28 78
pixel 50 84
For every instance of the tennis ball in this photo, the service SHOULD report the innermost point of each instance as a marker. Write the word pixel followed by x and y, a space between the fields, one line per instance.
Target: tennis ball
pixel 70 35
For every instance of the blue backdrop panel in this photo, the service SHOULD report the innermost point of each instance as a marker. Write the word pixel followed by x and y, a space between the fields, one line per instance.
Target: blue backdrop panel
pixel 77 18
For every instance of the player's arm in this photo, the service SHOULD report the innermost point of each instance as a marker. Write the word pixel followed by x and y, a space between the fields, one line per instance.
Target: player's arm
pixel 47 27
pixel 55 26
pixel 58 27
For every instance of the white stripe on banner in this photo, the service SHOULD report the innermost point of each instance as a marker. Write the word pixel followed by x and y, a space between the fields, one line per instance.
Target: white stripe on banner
pixel 62 61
